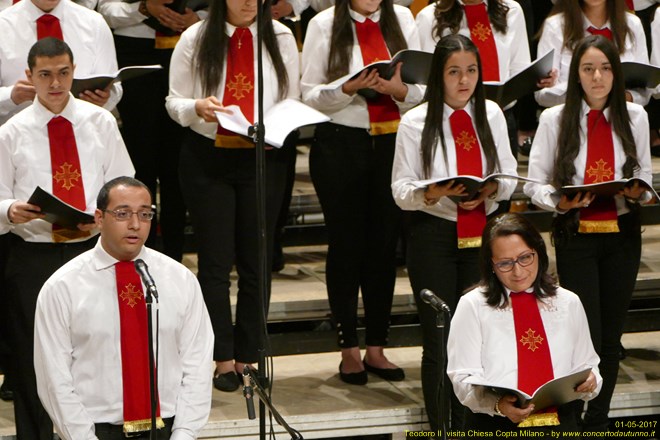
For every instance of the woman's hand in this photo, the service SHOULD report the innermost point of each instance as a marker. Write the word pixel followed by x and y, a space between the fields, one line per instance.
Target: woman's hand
pixel 207 107
pixel 507 406
pixel 368 79
pixel 434 192
pixel 23 212
pixel 578 201
pixel 633 191
pixel 488 189
pixel 394 87
pixel 550 80
pixel 589 385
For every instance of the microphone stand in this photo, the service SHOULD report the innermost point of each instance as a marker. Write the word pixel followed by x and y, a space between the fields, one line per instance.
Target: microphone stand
pixel 442 323
pixel 264 400
pixel 257 131
pixel 153 435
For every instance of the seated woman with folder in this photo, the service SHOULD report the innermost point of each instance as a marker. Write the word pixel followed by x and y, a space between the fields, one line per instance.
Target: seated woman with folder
pixel 518 329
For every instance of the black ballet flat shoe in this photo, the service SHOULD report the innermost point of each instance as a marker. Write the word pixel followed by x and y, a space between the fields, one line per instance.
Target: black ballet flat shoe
pixel 360 378
pixel 389 374
pixel 227 382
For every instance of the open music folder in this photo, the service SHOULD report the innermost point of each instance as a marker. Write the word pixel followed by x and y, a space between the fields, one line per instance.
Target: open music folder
pixel 57 211
pixel 103 81
pixel 472 183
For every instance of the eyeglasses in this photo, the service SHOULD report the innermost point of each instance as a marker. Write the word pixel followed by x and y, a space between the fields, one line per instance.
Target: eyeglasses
pixel 523 260
pixel 122 215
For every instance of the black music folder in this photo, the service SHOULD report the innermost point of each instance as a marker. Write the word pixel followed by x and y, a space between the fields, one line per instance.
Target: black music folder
pixel 472 183
pixel 609 188
pixel 57 211
pixel 102 81
pixel 640 75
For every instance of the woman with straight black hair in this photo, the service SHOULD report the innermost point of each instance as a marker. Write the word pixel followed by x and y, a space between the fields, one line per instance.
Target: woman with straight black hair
pixel 517 329
pixel 595 137
pixel 350 165
pixel 571 21
pixel 214 66
pixel 455 132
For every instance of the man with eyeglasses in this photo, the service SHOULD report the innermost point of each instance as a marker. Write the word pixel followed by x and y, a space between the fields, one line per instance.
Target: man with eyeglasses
pixel 69 148
pixel 91 351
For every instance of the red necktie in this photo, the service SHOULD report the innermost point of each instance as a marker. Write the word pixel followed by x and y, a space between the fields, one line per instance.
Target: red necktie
pixel 13 2
pixel 134 350
pixel 469 223
pixel 605 32
pixel 49 26
pixel 67 182
pixel 239 86
pixel 534 359
pixel 600 215
pixel 481 34
pixel 383 113
pixel 630 5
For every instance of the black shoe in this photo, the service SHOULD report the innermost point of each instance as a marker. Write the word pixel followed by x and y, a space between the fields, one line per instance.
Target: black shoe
pixel 226 382
pixel 526 146
pixel 353 378
pixel 6 393
pixel 389 374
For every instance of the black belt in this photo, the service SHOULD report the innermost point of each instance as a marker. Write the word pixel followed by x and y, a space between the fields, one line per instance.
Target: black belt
pixel 109 428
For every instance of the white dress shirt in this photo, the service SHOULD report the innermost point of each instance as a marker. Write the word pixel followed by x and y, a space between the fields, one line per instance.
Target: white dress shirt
pixel 85 32
pixel 408 166
pixel 185 82
pixel 544 152
pixel 512 47
pixel 4 4
pixel 655 53
pixel 345 109
pixel 77 346
pixel 553 38
pixel 482 346
pixel 25 159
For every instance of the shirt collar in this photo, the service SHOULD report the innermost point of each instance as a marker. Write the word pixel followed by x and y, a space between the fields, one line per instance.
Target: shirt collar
pixel 375 17
pixel 586 109
pixel 508 291
pixel 469 109
pixel 586 23
pixel 42 115
pixel 34 13
pixel 103 260
pixel 230 28
pixel 461 2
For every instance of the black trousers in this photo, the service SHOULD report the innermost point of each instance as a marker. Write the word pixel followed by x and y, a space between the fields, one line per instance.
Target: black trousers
pixel 602 270
pixel 219 187
pixel 436 263
pixel 28 267
pixel 6 358
pixel 351 171
pixel 153 139
pixel 106 431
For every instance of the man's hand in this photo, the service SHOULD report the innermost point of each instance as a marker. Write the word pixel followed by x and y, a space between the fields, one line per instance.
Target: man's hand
pixel 281 9
pixel 23 91
pixel 22 212
pixel 508 408
pixel 170 19
pixel 98 96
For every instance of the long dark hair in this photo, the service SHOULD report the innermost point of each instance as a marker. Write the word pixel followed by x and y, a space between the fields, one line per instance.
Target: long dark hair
pixel 449 13
pixel 503 225
pixel 574 22
pixel 435 96
pixel 568 143
pixel 341 41
pixel 213 42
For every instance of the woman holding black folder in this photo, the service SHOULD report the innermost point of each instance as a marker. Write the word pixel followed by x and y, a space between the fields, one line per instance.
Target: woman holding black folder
pixel 350 164
pixel 214 66
pixel 455 132
pixel 518 330
pixel 595 137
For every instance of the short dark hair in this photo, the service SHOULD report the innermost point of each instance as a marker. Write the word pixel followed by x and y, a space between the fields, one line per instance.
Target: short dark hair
pixel 103 198
pixel 503 225
pixel 48 47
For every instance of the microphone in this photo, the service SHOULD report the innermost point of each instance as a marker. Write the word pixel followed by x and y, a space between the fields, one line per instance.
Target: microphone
pixel 248 393
pixel 142 268
pixel 431 299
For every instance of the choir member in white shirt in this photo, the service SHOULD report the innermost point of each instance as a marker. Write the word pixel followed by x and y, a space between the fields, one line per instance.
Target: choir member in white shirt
pixel 518 329
pixel 70 148
pixel 571 21
pixel 91 351
pixel 595 137
pixel 654 103
pixel 498 29
pixel 213 66
pixel 455 132
pixel 156 156
pixel 350 165
pixel 83 30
